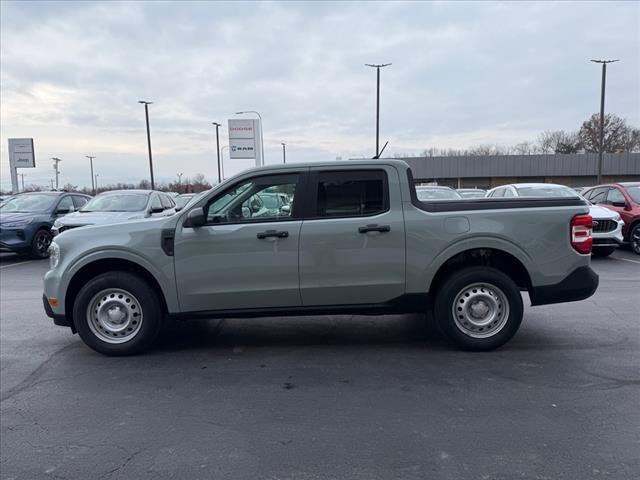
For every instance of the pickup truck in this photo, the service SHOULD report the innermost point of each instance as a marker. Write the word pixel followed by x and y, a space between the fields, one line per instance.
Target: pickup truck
pixel 353 238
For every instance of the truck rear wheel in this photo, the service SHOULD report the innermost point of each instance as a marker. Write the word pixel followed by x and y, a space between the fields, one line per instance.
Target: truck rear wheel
pixel 478 308
pixel 117 313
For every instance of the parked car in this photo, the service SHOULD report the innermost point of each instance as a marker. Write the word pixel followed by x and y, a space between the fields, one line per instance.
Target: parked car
pixel 607 225
pixel 182 200
pixel 26 220
pixel 357 239
pixel 624 199
pixel 471 192
pixel 117 206
pixel 434 193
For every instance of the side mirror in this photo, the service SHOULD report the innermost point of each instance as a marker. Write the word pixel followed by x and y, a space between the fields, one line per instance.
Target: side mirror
pixel 177 208
pixel 195 218
pixel 157 210
pixel 62 211
pixel 619 204
pixel 285 210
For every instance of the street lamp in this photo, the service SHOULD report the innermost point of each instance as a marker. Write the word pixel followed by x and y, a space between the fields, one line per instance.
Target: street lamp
pixel 261 136
pixel 93 185
pixel 377 67
pixel 601 142
pixel 56 161
pixel 218 149
pixel 96 182
pixel 146 113
pixel 284 153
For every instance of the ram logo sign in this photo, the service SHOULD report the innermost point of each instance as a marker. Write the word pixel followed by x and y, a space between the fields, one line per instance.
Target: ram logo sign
pixel 244 137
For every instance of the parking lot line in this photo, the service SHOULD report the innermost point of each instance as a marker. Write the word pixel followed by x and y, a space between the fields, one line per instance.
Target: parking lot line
pixel 626 260
pixel 14 264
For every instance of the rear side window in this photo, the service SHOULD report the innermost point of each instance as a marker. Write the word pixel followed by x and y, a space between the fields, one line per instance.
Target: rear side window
pixel 79 201
pixel 497 193
pixel 351 193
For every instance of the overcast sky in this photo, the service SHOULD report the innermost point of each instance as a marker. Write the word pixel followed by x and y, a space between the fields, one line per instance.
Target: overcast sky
pixel 463 74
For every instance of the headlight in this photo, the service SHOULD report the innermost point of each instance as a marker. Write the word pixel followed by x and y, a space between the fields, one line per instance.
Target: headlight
pixel 57 224
pixel 54 255
pixel 617 217
pixel 17 223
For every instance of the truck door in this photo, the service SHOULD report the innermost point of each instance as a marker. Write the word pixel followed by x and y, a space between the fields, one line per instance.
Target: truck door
pixel 352 242
pixel 245 256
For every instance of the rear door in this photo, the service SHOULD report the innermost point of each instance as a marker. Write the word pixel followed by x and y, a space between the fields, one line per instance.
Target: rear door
pixel 352 245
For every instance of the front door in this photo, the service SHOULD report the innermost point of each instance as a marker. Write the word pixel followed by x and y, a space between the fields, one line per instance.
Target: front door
pixel 246 256
pixel 352 245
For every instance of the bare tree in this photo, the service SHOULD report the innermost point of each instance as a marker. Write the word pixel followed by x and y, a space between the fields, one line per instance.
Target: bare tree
pixel 617 134
pixel 559 141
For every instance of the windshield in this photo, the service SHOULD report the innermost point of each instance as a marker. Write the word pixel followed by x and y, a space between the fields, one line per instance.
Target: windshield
pixel 117 202
pixel 472 194
pixel 634 193
pixel 28 203
pixel 425 194
pixel 544 191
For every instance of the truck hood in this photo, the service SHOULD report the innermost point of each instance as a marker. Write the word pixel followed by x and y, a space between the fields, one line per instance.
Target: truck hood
pixel 601 213
pixel 77 219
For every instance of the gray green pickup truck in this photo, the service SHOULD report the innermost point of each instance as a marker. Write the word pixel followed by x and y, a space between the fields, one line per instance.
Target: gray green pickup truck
pixel 346 238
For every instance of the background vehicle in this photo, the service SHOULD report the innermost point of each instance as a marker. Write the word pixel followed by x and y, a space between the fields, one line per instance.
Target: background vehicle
pixel 607 225
pixel 117 206
pixel 429 193
pixel 624 199
pixel 356 239
pixel 26 219
pixel 471 192
pixel 182 200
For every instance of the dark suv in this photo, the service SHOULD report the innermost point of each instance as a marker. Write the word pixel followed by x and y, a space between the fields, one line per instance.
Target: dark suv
pixel 623 198
pixel 26 220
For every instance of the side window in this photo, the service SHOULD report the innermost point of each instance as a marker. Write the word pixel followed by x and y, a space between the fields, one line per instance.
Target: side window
pixel 508 193
pixel 255 200
pixel 615 196
pixel 166 203
pixel 351 193
pixel 79 201
pixel 599 195
pixel 498 193
pixel 65 205
pixel 156 204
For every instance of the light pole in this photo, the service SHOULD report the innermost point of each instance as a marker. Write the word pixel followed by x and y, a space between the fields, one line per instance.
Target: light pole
pixel 218 149
pixel 261 136
pixel 56 161
pixel 22 176
pixel 284 153
pixel 93 185
pixel 179 182
pixel 222 158
pixel 601 142
pixel 377 67
pixel 96 177
pixel 146 113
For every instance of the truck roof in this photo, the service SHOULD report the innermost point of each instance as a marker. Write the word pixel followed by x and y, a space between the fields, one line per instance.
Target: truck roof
pixel 337 163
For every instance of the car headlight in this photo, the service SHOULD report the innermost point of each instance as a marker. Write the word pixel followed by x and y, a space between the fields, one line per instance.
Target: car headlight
pixel 57 224
pixel 17 223
pixel 617 217
pixel 54 255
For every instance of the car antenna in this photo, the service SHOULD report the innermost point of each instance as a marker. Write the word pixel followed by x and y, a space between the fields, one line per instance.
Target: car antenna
pixel 377 157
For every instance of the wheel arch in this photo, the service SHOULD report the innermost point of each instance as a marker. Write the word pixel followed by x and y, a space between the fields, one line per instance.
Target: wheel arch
pixel 103 265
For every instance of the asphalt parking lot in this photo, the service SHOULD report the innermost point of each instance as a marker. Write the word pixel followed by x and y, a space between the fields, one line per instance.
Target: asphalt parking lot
pixel 326 397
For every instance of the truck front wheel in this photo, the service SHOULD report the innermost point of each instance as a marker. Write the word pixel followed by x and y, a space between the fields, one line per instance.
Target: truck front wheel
pixel 117 313
pixel 478 308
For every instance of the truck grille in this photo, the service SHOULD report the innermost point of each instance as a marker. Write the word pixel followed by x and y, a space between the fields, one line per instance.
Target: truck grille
pixel 604 225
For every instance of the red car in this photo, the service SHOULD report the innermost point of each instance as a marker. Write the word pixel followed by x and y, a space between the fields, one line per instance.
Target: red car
pixel 623 198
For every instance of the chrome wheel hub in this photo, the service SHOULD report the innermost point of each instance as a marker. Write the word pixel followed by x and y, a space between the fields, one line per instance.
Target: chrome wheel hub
pixel 480 310
pixel 114 315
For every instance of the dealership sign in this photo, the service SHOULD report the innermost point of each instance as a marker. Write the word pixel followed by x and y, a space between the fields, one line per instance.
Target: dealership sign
pixel 244 139
pixel 21 155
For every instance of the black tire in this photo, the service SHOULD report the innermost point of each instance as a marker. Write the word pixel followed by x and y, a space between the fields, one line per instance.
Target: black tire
pixel 602 251
pixel 40 244
pixel 634 239
pixel 127 293
pixel 487 288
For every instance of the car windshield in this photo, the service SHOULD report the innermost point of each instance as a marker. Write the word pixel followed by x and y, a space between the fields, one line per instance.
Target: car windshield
pixel 634 193
pixel 425 194
pixel 472 193
pixel 544 191
pixel 28 203
pixel 117 202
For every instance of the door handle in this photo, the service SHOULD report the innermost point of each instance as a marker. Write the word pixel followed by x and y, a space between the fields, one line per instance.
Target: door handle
pixel 374 227
pixel 273 233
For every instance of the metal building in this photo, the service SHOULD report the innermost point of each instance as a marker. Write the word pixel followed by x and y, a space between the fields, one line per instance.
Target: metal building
pixel 575 170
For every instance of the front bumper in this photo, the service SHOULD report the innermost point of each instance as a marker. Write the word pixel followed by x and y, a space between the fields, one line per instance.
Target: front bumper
pixel 613 238
pixel 14 240
pixel 58 319
pixel 578 285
